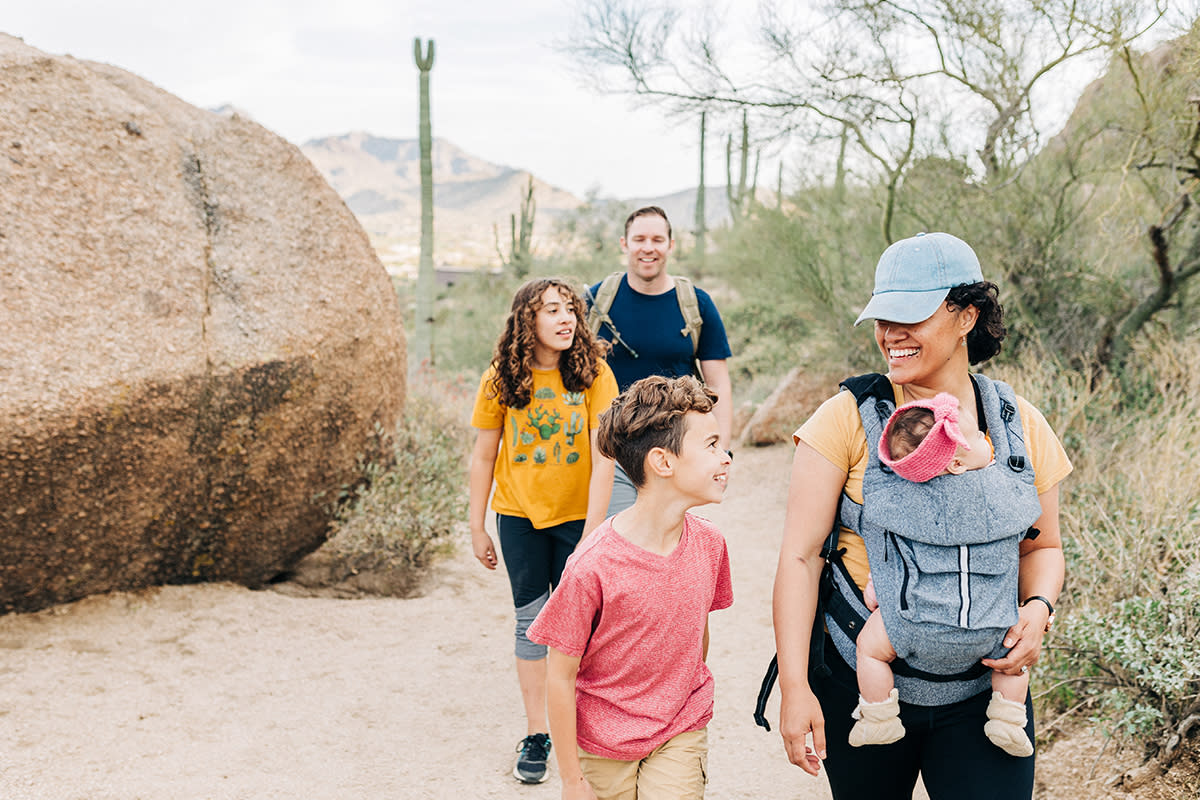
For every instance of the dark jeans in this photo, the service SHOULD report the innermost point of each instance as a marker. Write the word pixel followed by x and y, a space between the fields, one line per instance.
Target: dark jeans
pixel 535 557
pixel 946 745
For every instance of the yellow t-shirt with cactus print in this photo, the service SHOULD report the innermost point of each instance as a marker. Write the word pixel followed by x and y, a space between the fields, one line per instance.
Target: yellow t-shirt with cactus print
pixel 545 458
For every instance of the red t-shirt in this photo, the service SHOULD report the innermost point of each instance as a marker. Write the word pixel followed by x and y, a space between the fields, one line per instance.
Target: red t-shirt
pixel 636 619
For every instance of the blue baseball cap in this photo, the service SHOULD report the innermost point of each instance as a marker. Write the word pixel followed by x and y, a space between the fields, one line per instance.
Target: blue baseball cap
pixel 914 276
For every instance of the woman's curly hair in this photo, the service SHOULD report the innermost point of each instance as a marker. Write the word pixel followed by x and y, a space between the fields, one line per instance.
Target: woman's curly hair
pixel 985 338
pixel 513 359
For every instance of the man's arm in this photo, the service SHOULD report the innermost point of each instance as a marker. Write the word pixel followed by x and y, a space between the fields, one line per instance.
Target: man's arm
pixel 561 671
pixel 716 375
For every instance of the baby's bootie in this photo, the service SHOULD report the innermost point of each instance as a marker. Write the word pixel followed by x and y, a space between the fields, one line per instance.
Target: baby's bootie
pixel 1006 726
pixel 878 723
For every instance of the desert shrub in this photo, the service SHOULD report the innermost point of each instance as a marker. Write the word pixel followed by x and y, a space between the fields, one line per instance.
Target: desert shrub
pixel 1130 610
pixel 1139 658
pixel 797 279
pixel 410 505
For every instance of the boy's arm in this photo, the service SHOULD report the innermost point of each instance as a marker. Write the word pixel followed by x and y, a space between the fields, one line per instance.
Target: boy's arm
pixel 483 466
pixel 704 653
pixel 561 670
pixel 599 488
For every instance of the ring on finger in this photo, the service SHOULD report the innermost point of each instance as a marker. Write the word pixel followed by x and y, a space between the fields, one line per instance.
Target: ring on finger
pixel 1024 668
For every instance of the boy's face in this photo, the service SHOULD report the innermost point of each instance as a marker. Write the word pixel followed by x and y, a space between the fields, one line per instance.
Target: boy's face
pixel 701 466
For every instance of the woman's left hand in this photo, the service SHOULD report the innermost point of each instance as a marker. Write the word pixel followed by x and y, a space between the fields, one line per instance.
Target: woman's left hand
pixel 1025 639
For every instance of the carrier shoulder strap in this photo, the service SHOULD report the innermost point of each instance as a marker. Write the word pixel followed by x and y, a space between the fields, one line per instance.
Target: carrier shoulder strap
pixel 689 306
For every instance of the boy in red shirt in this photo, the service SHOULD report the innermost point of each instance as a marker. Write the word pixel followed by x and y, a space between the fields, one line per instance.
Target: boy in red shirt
pixel 629 693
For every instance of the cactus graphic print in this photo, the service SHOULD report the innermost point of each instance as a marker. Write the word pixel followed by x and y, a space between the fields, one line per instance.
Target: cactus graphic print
pixel 545 458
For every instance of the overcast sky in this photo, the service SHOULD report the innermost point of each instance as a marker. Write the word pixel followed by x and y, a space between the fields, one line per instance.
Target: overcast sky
pixel 307 69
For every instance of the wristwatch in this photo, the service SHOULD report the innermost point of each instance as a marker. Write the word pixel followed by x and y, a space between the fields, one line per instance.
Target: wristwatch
pixel 1049 607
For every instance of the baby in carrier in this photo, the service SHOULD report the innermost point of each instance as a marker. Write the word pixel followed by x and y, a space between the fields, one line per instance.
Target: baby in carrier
pixel 922 440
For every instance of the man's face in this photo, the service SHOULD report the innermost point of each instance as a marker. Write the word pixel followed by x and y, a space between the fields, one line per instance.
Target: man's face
pixel 646 246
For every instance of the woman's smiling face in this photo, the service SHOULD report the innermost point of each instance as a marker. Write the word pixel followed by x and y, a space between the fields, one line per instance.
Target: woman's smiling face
pixel 917 352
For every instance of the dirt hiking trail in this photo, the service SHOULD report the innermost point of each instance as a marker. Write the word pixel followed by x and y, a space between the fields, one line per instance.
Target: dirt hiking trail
pixel 216 692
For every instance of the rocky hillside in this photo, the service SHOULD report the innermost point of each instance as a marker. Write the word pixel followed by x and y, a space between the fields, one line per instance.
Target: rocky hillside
pixel 380 180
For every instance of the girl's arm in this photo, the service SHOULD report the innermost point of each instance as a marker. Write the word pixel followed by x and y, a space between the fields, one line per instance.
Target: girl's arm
pixel 561 670
pixel 1042 570
pixel 813 494
pixel 483 467
pixel 599 488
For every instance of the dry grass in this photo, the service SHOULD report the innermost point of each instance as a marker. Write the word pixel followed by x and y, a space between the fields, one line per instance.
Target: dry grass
pixel 411 506
pixel 1130 610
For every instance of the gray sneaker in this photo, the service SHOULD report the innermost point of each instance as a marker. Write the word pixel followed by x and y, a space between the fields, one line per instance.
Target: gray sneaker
pixel 531 764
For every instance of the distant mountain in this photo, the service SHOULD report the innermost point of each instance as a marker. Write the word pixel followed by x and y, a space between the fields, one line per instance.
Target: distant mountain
pixel 380 180
pixel 681 207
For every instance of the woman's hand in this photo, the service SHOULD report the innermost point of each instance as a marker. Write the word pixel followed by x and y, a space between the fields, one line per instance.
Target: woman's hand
pixel 813 493
pixel 800 714
pixel 485 548
pixel 1025 639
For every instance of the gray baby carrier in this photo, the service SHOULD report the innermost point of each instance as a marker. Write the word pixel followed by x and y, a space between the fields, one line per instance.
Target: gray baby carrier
pixel 943 556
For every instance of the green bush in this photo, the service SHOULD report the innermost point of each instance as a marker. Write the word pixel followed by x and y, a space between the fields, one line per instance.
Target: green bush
pixel 1139 657
pixel 410 506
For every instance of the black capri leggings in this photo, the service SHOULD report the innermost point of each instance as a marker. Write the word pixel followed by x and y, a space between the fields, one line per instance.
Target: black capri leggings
pixel 946 745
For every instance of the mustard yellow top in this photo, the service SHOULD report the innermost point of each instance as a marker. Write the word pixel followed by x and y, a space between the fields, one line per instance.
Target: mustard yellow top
pixel 835 431
pixel 545 457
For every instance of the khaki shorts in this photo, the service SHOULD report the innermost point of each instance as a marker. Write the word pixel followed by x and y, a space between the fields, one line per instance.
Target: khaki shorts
pixel 677 770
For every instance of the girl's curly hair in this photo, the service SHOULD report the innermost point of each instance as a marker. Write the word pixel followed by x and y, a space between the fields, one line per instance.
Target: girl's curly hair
pixel 513 359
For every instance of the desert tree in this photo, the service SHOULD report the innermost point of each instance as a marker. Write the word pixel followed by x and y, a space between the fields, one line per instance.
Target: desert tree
pixel 892 76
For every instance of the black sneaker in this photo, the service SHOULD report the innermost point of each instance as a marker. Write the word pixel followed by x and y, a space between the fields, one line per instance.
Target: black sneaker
pixel 531 764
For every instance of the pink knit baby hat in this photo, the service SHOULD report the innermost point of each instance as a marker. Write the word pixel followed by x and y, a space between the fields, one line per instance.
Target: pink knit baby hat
pixel 936 451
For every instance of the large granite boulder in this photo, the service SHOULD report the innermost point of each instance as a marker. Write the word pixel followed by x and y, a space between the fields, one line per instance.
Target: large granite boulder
pixel 197 341
pixel 791 403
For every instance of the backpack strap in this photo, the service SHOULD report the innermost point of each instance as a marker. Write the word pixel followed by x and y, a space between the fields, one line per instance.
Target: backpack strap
pixel 599 306
pixel 689 307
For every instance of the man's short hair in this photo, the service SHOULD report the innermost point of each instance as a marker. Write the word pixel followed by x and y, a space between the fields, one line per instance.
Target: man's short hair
pixel 649 211
pixel 650 414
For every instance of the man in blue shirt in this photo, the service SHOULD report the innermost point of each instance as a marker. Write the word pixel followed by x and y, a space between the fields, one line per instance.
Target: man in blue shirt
pixel 650 336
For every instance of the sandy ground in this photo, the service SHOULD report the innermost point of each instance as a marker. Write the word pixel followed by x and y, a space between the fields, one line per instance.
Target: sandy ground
pixel 215 691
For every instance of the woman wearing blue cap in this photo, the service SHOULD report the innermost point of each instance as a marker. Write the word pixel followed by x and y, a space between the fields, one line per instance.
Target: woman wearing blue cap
pixel 940 553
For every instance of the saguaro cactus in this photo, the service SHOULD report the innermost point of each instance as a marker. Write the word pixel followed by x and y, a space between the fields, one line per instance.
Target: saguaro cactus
pixel 701 222
pixel 423 333
pixel 520 252
pixel 741 198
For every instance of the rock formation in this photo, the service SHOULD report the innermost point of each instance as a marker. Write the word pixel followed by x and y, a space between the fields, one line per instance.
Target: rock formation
pixel 197 341
pixel 796 397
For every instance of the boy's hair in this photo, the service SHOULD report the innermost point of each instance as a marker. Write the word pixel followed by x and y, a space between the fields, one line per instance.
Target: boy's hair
pixel 513 358
pixel 650 414
pixel 649 211
pixel 908 428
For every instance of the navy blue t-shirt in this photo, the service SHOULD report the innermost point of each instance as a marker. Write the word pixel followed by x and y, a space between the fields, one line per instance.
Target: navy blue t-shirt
pixel 652 325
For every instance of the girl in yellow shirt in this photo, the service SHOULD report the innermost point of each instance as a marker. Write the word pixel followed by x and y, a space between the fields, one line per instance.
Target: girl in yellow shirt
pixel 536 415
